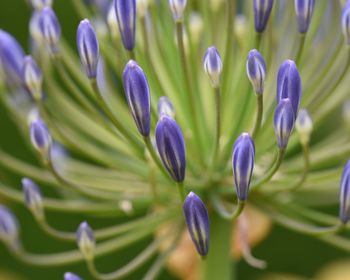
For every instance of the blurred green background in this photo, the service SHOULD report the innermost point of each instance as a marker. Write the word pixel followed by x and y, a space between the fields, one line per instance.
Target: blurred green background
pixel 283 250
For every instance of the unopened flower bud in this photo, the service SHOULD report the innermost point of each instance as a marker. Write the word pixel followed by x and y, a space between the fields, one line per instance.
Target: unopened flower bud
pixel 32 77
pixel 171 147
pixel 165 107
pixel 304 10
pixel 197 220
pixel 112 22
pixel 86 240
pixel 262 11
pixel 289 85
pixel 304 125
pixel 256 71
pixel 8 226
pixel 126 18
pixel 283 122
pixel 138 96
pixel 11 58
pixel 242 164
pixel 50 28
pixel 40 137
pixel 345 22
pixel 33 198
pixel 71 276
pixel 40 4
pixel 177 8
pixel 88 48
pixel 213 65
pixel 344 195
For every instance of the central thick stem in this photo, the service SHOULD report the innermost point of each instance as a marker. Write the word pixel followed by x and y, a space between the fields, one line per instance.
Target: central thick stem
pixel 217 264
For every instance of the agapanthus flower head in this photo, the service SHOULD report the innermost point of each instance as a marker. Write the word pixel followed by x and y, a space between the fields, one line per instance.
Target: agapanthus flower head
pixel 289 85
pixel 304 125
pixel 138 96
pixel 40 137
pixel 171 147
pixel 50 28
pixel 11 58
pixel 262 11
pixel 345 22
pixel 177 8
pixel 213 65
pixel 256 70
pixel 33 198
pixel 86 240
pixel 242 164
pixel 8 226
pixel 197 221
pixel 40 4
pixel 283 122
pixel 126 17
pixel 304 10
pixel 71 276
pixel 32 77
pixel 165 107
pixel 88 48
pixel 344 195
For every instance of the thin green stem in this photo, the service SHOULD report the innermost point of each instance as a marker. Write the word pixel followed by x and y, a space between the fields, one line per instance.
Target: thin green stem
pixel 57 234
pixel 154 156
pixel 217 124
pixel 306 156
pixel 300 48
pixel 132 54
pixel 222 210
pixel 258 37
pixel 271 171
pixel 130 267
pixel 182 192
pixel 123 130
pixel 259 113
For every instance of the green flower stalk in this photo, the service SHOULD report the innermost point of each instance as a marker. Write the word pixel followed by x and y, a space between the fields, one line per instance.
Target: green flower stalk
pixel 108 101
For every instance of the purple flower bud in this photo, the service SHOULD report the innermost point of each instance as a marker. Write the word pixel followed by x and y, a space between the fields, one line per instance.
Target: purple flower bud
pixel 304 10
pixel 32 77
pixel 8 226
pixel 289 85
pixel 256 70
pixel 345 22
pixel 165 107
pixel 283 122
pixel 126 17
pixel 197 220
pixel 40 137
pixel 242 164
pixel 171 147
pixel 88 48
pixel 50 28
pixel 11 58
pixel 177 8
pixel 86 240
pixel 71 276
pixel 262 11
pixel 213 65
pixel 138 96
pixel 40 4
pixel 344 195
pixel 33 198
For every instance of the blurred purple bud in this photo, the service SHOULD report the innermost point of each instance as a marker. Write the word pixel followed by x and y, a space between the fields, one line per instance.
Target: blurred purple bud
pixel 8 226
pixel 213 65
pixel 283 122
pixel 171 147
pixel 86 240
pixel 345 22
pixel 71 276
pixel 32 77
pixel 177 8
pixel 344 195
pixel 262 11
pixel 126 17
pixel 197 220
pixel 40 137
pixel 88 48
pixel 33 198
pixel 138 96
pixel 304 10
pixel 242 164
pixel 256 71
pixel 165 107
pixel 50 28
